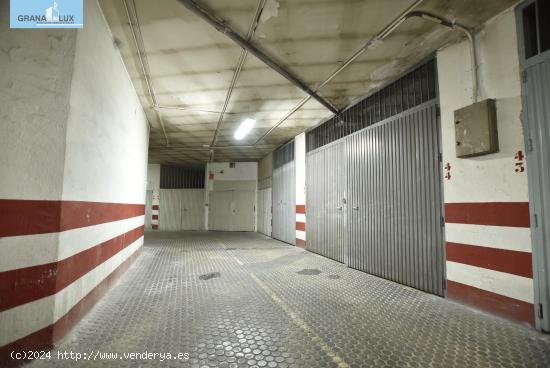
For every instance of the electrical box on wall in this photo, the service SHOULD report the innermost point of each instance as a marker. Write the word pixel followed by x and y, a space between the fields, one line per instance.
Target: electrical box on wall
pixel 476 131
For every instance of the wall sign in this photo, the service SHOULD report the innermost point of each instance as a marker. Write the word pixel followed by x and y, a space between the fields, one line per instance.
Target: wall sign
pixel 46 14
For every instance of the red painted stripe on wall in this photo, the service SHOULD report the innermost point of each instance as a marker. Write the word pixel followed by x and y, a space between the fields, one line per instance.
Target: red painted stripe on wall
pixel 513 214
pixel 46 337
pixel 155 207
pixel 301 226
pixel 155 226
pixel 300 243
pixel 25 285
pixel 491 302
pixel 155 217
pixel 301 208
pixel 28 217
pixel 503 260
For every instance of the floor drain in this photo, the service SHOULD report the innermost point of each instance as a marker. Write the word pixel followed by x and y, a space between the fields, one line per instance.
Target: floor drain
pixel 208 276
pixel 309 271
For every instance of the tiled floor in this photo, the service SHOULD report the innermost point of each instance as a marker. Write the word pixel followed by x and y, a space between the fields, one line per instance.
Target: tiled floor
pixel 243 300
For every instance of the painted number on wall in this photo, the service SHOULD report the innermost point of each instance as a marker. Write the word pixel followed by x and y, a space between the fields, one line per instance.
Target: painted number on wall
pixel 448 171
pixel 520 162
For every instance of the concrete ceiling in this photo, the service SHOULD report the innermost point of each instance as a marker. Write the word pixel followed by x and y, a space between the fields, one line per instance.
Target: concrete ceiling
pixel 190 65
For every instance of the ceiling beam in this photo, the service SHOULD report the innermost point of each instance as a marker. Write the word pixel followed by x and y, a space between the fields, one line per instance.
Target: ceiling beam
pixel 227 31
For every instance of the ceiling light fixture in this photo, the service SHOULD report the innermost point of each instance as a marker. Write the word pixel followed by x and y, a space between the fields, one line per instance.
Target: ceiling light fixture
pixel 244 128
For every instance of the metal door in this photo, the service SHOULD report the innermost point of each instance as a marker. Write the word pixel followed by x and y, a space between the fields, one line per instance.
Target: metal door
pixel 394 211
pixel 535 66
pixel 264 211
pixel 326 176
pixel 170 210
pixel 284 203
pixel 537 121
pixel 242 207
pixel 220 210
pixel 231 210
pixel 192 206
pixel 181 209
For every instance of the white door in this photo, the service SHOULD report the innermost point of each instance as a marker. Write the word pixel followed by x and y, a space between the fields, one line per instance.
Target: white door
pixel 231 210
pixel 192 206
pixel 243 210
pixel 220 212
pixel 181 209
pixel 170 210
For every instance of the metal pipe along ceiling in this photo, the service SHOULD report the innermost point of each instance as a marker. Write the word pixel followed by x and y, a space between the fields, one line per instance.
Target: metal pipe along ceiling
pixel 140 48
pixel 240 64
pixel 455 26
pixel 374 41
pixel 223 28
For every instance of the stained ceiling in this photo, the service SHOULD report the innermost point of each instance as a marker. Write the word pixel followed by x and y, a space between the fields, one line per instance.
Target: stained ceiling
pixel 185 71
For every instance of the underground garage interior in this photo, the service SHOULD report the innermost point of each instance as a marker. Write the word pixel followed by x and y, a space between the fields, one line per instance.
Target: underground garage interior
pixel 275 183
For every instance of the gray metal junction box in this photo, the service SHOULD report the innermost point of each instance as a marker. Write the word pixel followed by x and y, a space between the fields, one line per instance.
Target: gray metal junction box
pixel 476 131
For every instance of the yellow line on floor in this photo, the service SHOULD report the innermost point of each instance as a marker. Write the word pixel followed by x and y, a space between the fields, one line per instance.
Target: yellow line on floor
pixel 302 324
pixel 293 315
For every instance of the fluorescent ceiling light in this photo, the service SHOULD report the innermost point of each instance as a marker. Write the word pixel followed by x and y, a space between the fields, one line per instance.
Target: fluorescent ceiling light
pixel 244 128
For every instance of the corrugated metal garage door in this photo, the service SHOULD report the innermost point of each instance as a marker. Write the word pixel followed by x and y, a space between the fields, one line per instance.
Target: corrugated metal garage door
pixel 264 211
pixel 284 194
pixel 326 197
pixel 379 161
pixel 284 203
pixel 535 62
pixel 232 210
pixel 394 208
pixel 181 209
pixel 390 178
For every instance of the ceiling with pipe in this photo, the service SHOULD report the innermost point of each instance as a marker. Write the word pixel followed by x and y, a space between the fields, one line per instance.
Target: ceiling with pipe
pixel 197 85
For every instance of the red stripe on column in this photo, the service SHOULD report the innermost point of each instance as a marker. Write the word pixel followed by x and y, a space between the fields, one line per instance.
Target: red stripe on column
pixel 27 217
pixel 301 226
pixel 46 337
pixel 155 207
pixel 513 214
pixel 25 285
pixel 81 214
pixel 503 260
pixel 494 303
pixel 301 208
pixel 300 243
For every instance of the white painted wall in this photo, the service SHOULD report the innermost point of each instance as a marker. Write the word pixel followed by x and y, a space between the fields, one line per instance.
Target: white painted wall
pixel 241 171
pixel 72 128
pixel 35 79
pixel 491 177
pixel 107 132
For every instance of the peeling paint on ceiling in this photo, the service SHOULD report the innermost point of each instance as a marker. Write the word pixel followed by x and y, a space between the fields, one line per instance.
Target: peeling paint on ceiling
pixel 271 9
